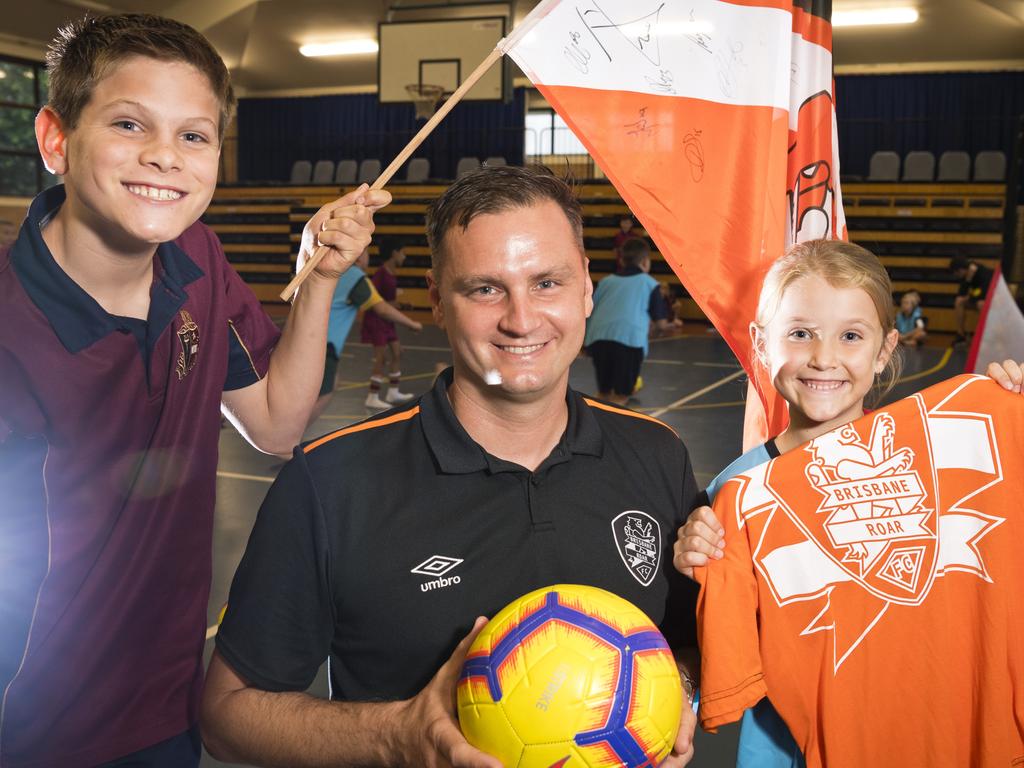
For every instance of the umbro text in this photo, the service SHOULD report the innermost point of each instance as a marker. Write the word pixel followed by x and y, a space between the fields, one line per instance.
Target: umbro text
pixel 444 581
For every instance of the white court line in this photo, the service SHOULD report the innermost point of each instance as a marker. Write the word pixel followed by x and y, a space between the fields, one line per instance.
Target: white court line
pixel 211 631
pixel 656 361
pixel 240 476
pixel 694 395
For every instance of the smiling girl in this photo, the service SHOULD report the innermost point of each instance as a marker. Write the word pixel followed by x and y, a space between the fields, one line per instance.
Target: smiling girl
pixel 824 329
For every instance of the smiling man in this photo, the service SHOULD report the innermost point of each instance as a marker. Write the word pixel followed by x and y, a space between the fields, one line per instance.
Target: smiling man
pixel 380 544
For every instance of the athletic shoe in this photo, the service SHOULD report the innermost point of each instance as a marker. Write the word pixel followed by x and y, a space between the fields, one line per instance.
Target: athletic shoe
pixel 397 398
pixel 373 401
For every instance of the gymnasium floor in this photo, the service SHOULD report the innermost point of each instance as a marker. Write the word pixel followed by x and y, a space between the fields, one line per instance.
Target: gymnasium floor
pixel 691 382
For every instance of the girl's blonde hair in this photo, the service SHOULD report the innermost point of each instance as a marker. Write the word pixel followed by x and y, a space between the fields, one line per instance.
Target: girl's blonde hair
pixel 841 265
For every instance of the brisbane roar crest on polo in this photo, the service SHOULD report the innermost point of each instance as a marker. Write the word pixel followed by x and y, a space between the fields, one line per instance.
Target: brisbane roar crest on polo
pixel 574 677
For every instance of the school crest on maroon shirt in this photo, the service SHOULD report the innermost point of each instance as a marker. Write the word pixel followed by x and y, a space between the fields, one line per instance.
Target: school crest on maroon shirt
pixel 188 337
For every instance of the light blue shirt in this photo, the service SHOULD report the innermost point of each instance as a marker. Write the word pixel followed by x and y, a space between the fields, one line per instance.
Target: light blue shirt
pixel 765 740
pixel 621 304
pixel 343 312
pixel 907 323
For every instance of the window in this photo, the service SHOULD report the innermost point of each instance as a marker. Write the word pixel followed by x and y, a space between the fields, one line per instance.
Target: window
pixel 547 134
pixel 22 91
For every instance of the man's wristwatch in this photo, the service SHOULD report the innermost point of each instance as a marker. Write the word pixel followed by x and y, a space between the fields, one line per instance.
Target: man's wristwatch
pixel 689 685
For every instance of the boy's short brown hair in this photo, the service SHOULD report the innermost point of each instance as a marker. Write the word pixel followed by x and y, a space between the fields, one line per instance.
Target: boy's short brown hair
pixel 84 50
pixel 634 251
pixel 496 190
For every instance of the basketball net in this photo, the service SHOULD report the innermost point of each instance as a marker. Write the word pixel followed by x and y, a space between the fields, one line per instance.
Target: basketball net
pixel 424 98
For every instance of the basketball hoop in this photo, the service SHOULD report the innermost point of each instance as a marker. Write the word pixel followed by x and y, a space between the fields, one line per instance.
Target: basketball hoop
pixel 424 98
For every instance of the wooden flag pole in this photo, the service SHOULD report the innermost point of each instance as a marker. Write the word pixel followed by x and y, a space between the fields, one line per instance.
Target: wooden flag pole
pixel 390 171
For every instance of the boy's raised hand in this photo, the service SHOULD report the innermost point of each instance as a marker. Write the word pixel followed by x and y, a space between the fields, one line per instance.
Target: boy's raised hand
pixel 1009 374
pixel 344 227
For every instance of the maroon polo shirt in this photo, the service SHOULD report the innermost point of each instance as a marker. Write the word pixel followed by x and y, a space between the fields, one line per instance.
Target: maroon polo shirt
pixel 108 454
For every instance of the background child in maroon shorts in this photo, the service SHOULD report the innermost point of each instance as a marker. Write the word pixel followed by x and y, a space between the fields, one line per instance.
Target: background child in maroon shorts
pixel 381 333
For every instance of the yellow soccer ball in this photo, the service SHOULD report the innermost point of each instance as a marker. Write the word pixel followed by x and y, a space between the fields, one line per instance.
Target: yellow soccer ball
pixel 571 677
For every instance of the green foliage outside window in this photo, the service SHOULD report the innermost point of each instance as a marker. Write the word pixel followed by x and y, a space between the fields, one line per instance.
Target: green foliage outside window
pixel 22 92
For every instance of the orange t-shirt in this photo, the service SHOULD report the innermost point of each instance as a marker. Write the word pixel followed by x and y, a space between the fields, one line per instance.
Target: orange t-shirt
pixel 873 587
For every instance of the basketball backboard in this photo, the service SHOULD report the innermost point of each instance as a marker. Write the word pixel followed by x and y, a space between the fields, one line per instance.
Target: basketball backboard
pixel 442 52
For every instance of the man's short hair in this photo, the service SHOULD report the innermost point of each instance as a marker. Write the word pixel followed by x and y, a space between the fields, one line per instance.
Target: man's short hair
pixel 84 50
pixel 957 263
pixel 495 190
pixel 634 251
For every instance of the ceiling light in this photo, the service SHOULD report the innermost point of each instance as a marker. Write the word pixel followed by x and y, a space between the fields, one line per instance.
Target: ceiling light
pixel 340 48
pixel 874 16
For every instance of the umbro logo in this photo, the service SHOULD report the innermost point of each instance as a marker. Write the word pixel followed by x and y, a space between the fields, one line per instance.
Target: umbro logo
pixel 438 565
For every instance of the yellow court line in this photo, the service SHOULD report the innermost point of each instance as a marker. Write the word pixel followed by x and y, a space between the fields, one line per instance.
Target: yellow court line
pixel 240 476
pixel 943 361
pixel 694 395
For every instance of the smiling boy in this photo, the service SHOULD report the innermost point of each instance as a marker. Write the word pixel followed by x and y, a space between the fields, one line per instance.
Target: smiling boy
pixel 124 331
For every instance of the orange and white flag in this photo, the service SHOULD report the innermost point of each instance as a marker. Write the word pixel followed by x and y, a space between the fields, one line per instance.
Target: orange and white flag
pixel 714 120
pixel 1000 332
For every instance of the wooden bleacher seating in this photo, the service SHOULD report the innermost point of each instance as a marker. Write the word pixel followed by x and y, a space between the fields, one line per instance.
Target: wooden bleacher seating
pixel 914 229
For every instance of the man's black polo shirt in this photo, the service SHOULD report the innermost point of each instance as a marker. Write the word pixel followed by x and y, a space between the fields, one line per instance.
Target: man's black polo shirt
pixel 109 429
pixel 379 544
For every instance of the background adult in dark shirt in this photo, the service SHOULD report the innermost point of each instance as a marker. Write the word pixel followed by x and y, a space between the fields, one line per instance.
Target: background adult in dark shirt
pixel 974 279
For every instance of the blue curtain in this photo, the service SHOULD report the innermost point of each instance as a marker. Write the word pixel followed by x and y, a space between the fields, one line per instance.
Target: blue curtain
pixel 969 111
pixel 273 133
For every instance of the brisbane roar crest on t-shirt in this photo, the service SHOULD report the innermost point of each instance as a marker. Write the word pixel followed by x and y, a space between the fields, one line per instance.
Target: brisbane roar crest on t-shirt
pixel 872 586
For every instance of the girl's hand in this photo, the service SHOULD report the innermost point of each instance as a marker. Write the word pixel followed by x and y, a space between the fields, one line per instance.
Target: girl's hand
pixel 1008 374
pixel 698 540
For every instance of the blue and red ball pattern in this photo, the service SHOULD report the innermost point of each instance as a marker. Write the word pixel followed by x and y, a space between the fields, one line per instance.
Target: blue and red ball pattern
pixel 573 677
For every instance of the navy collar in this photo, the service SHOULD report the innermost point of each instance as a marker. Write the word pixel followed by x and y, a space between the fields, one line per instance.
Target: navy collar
pixel 457 453
pixel 76 317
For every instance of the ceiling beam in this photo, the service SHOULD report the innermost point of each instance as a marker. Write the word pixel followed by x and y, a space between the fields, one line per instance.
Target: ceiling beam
pixel 204 14
pixel 1012 8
